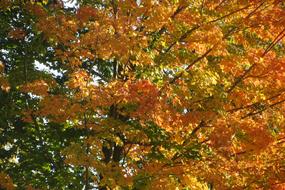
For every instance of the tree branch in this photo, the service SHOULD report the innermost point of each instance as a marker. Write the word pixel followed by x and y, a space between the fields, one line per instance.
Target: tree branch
pixel 262 110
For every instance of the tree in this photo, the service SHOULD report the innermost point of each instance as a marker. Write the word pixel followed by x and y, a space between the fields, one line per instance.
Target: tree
pixel 29 151
pixel 161 94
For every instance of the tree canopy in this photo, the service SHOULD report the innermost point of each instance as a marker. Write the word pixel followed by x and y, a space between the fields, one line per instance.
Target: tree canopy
pixel 142 94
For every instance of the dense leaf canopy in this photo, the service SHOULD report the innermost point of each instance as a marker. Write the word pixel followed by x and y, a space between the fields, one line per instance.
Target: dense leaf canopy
pixel 142 94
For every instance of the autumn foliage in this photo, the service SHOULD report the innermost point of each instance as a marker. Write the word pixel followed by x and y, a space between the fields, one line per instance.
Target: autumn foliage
pixel 171 94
